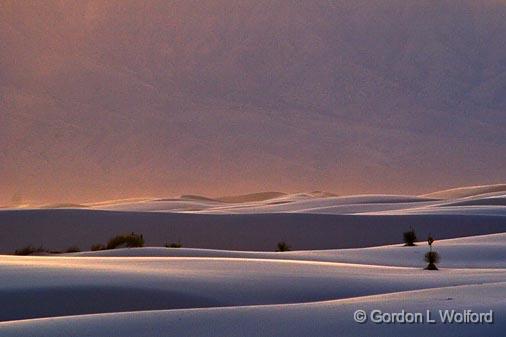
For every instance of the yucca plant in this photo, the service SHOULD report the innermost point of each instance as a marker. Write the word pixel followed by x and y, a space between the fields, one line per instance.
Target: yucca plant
pixel 409 238
pixel 283 247
pixel 431 257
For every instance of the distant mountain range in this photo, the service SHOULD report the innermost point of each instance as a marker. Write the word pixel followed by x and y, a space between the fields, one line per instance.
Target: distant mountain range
pixel 115 99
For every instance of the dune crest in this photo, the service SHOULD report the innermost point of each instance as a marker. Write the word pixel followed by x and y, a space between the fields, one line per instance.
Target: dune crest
pixel 469 191
pixel 252 197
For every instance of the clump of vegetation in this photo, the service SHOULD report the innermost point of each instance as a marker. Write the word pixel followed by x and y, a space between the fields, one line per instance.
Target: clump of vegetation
pixel 431 257
pixel 72 249
pixel 174 245
pixel 97 246
pixel 129 240
pixel 409 238
pixel 29 250
pixel 283 247
pixel 119 241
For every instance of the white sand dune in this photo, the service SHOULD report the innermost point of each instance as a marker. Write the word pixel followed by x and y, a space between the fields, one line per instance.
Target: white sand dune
pixel 330 318
pixel 270 203
pixel 325 203
pixel 163 205
pixel 469 252
pixel 56 286
pixel 58 229
pixel 495 200
pixel 261 196
pixel 192 292
pixel 322 205
pixel 314 220
pixel 462 192
pixel 249 293
pixel 241 291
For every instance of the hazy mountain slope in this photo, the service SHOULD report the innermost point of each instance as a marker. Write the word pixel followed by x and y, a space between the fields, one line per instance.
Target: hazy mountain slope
pixel 120 98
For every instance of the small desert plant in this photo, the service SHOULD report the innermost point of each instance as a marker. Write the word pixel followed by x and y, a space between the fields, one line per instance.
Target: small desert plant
pixel 283 247
pixel 174 245
pixel 431 258
pixel 128 240
pixel 97 246
pixel 72 249
pixel 28 250
pixel 409 238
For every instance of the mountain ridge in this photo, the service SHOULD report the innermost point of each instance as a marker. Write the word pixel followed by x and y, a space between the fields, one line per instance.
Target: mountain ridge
pixel 113 100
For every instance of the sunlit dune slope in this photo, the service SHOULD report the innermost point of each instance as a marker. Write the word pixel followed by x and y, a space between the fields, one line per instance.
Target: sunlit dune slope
pixel 325 319
pixel 109 284
pixel 463 192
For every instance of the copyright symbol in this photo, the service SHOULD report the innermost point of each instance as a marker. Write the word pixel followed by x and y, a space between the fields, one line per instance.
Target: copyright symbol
pixel 360 316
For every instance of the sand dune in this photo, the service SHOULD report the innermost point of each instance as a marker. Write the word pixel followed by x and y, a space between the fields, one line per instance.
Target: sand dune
pixel 58 229
pixel 90 284
pixel 304 220
pixel 194 197
pixel 463 192
pixel 467 252
pixel 137 101
pixel 262 196
pixel 489 201
pixel 323 203
pixel 236 292
pixel 239 286
pixel 64 205
pixel 323 319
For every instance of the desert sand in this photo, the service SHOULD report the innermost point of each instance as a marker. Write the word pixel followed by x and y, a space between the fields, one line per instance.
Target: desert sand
pixel 158 291
pixel 174 292
pixel 306 221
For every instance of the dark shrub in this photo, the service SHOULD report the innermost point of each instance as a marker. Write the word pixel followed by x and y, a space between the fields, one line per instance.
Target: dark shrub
pixel 72 249
pixel 128 240
pixel 28 250
pixel 174 245
pixel 283 247
pixel 409 238
pixel 97 246
pixel 431 258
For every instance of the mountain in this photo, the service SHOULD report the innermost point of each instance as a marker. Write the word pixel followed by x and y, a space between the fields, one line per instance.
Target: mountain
pixel 115 99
